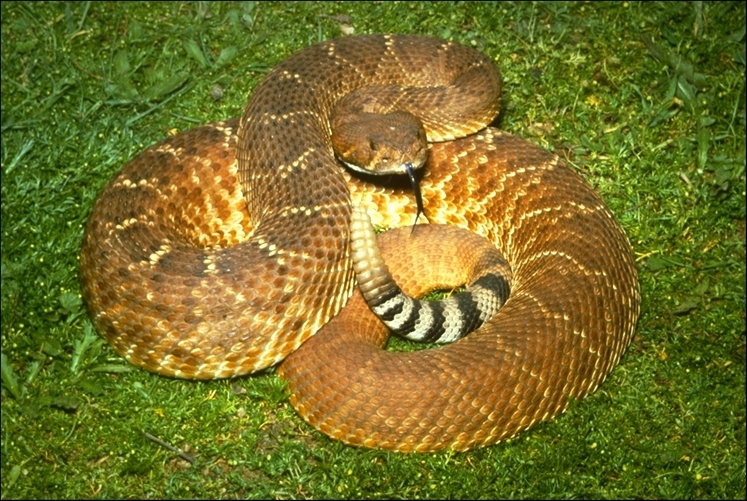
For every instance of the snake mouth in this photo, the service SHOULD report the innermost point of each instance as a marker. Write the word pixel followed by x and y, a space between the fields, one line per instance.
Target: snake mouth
pixel 406 169
pixel 395 169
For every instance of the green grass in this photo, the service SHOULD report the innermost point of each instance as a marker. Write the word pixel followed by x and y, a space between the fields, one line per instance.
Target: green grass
pixel 645 100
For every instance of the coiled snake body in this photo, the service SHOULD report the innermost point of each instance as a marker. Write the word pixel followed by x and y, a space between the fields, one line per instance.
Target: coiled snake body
pixel 219 251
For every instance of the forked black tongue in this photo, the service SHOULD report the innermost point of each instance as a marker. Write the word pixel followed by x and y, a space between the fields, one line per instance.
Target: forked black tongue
pixel 416 190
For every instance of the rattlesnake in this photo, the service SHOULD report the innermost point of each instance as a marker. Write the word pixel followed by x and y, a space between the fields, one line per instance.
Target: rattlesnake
pixel 188 273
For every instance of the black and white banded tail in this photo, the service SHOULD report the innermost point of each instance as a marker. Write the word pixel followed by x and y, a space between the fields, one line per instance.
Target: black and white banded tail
pixel 442 321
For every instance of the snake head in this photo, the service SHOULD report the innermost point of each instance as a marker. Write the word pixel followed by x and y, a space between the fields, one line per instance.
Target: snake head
pixel 379 143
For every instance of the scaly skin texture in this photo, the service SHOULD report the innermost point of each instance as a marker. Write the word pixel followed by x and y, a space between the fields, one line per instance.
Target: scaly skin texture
pixel 185 279
pixel 572 311
pixel 219 251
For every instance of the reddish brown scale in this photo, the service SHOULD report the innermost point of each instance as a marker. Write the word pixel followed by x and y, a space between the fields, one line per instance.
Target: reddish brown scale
pixel 189 274
pixel 571 314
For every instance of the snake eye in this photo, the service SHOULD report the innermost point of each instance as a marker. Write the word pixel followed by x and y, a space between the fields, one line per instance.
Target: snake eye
pixel 373 146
